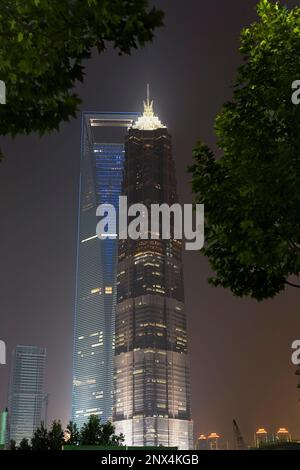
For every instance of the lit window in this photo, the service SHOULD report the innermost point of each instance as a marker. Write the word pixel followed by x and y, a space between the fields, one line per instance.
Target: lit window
pixel 96 291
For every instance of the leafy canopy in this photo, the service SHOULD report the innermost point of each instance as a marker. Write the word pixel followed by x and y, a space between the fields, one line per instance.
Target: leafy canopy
pixel 43 44
pixel 12 445
pixel 56 436
pixel 95 433
pixel 74 433
pixel 252 193
pixel 24 444
pixel 40 438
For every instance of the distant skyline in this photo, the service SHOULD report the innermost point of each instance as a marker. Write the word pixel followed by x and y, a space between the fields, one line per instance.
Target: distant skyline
pixel 240 350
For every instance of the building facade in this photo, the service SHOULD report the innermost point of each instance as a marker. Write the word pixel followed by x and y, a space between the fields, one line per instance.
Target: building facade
pixel 151 370
pixel 25 392
pixel 101 173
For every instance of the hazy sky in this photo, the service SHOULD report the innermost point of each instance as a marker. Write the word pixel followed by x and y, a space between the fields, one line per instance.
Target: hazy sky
pixel 240 350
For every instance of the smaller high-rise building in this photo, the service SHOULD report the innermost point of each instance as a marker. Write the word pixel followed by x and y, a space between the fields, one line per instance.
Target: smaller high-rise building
pixel 25 392
pixel 261 438
pixel 283 435
pixel 213 441
pixel 202 443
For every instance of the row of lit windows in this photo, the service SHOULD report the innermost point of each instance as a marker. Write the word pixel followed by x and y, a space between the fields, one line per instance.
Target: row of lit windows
pixel 98 290
pixel 100 333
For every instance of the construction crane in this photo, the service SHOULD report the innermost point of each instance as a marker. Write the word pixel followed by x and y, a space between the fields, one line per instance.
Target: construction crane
pixel 240 443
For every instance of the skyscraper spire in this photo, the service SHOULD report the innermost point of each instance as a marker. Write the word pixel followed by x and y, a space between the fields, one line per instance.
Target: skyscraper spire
pixel 148 121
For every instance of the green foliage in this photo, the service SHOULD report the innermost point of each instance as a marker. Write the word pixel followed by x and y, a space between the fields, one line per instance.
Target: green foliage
pixel 94 433
pixel 252 193
pixel 108 436
pixel 74 434
pixel 40 439
pixel 56 436
pixel 12 445
pixel 24 444
pixel 42 48
pixel 91 432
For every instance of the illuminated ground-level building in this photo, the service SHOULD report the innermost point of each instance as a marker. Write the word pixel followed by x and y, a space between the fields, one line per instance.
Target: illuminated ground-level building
pixel 101 173
pixel 151 382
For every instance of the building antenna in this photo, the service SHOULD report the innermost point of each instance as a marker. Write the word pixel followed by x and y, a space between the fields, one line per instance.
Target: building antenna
pixel 148 94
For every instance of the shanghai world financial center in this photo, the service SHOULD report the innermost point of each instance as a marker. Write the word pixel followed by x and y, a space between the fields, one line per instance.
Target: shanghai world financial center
pixel 130 361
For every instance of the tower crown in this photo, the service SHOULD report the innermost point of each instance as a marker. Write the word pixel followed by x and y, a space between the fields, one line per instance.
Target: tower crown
pixel 148 121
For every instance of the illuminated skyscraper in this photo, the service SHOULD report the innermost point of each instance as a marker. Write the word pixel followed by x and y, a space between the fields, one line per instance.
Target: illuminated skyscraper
pixel 283 435
pixel 25 391
pixel 152 385
pixel 101 173
pixel 213 441
pixel 261 437
pixel 202 443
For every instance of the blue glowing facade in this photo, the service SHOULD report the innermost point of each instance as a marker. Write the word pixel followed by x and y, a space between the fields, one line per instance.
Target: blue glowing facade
pixel 101 174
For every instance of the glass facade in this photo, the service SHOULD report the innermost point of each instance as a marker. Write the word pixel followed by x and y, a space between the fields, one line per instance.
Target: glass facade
pixel 151 368
pixel 25 392
pixel 101 176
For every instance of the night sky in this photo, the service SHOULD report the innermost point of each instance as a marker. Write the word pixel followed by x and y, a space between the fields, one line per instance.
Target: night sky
pixel 240 350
